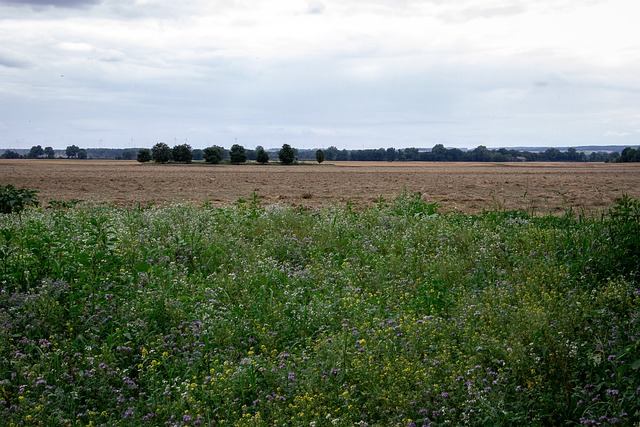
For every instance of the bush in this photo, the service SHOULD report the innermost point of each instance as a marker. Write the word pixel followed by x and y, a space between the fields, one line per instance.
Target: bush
pixel 16 199
pixel 624 236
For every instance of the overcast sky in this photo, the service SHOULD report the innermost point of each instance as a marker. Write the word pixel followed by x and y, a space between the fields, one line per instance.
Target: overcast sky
pixel 349 73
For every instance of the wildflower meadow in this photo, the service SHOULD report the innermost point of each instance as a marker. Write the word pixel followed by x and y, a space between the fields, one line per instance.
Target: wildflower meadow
pixel 251 315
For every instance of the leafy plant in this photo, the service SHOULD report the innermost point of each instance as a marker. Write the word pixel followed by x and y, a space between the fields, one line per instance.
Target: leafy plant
pixel 624 234
pixel 14 199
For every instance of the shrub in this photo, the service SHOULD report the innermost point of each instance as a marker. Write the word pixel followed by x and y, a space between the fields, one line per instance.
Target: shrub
pixel 16 199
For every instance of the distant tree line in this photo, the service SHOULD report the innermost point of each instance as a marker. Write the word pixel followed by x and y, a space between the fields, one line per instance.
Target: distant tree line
pixel 480 154
pixel 237 154
pixel 37 152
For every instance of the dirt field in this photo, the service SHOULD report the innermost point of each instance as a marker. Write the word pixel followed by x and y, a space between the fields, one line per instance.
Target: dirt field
pixel 469 187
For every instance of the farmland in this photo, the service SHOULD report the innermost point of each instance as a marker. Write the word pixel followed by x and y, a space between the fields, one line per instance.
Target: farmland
pixel 315 302
pixel 468 187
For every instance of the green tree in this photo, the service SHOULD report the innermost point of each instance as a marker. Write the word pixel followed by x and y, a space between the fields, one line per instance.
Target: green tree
pixel 286 154
pixel 35 152
pixel 129 154
pixel 213 155
pixel 10 154
pixel 237 154
pixel 144 155
pixel 161 153
pixel 319 156
pixel 197 154
pixel 82 153
pixel 72 151
pixel 331 153
pixel 627 155
pixel 391 154
pixel 182 153
pixel 49 153
pixel 262 156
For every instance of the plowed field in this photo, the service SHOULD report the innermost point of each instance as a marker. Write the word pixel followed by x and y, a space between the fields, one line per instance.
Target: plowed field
pixel 469 187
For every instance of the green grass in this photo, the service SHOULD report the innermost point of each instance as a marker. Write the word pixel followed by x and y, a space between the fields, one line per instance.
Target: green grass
pixel 252 315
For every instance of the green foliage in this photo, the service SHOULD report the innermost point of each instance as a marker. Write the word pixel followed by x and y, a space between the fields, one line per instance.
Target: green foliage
pixel 10 154
pixel 161 153
pixel 16 199
pixel 72 151
pixel 49 152
pixel 35 152
pixel 262 156
pixel 237 154
pixel 319 156
pixel 213 155
pixel 394 315
pixel 287 155
pixel 144 155
pixel 624 234
pixel 182 153
pixel 198 154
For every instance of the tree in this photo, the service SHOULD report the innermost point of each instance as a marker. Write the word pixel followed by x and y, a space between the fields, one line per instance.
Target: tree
pixel 82 153
pixel 129 154
pixel 213 155
pixel 72 151
pixel 286 154
pixel 35 152
pixel 144 155
pixel 10 154
pixel 182 153
pixel 391 154
pixel 261 155
pixel 319 156
pixel 197 154
pixel 161 153
pixel 49 153
pixel 628 155
pixel 237 154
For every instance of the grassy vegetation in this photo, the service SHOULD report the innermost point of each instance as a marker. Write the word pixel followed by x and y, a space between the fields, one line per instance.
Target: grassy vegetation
pixel 251 315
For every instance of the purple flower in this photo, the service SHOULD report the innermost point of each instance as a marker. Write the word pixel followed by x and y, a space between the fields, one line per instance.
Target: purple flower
pixel 186 418
pixel 613 392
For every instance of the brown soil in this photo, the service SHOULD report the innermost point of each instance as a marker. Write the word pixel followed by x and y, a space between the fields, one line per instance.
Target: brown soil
pixel 469 187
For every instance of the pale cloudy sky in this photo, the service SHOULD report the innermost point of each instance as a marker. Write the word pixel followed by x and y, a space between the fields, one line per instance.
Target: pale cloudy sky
pixel 315 73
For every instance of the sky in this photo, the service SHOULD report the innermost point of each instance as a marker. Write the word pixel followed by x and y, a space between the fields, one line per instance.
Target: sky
pixel 317 73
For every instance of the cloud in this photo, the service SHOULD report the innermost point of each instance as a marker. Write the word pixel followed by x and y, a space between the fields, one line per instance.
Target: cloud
pixel 482 12
pixel 11 60
pixel 616 134
pixel 54 3
pixel 315 7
